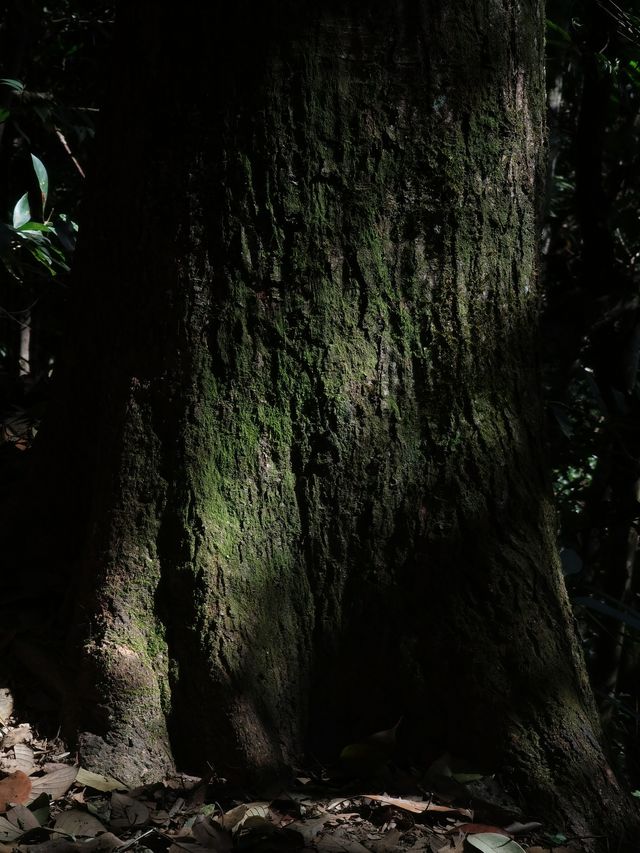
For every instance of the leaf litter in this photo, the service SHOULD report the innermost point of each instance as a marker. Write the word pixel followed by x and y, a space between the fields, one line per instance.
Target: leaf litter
pixel 48 804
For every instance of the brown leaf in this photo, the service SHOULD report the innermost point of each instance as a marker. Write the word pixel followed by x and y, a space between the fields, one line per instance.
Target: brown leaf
pixel 517 828
pixel 187 845
pixel 8 830
pixel 233 816
pixel 15 788
pixel 78 822
pixel 182 782
pixel 56 784
pixel 415 807
pixel 311 827
pixel 391 842
pixel 22 818
pixel 104 843
pixel 210 834
pixel 127 812
pixel 340 842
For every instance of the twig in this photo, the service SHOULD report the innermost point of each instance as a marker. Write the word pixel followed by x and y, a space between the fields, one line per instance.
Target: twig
pixel 133 841
pixel 65 145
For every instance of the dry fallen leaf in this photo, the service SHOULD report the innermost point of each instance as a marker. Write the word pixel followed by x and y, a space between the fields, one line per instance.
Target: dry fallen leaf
pixel 340 842
pixel 338 801
pixel 210 834
pixel 56 784
pixel 24 758
pixel 126 812
pixel 160 817
pixel 98 782
pixel 104 843
pixel 8 831
pixel 6 704
pixel 78 823
pixel 19 734
pixel 235 818
pixel 23 818
pixel 309 828
pixel 185 844
pixel 182 782
pixel 52 766
pixel 415 807
pixel 230 818
pixel 517 828
pixel 15 788
pixel 391 842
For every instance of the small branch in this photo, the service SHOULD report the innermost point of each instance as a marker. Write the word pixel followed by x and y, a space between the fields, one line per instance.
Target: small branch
pixel 65 145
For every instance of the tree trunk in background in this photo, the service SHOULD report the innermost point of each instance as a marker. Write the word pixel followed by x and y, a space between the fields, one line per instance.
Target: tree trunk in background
pixel 305 493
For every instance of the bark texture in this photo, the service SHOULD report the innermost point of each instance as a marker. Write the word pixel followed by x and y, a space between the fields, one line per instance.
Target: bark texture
pixel 312 495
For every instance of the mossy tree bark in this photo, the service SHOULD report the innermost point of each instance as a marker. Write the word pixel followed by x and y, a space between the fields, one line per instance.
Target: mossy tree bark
pixel 306 492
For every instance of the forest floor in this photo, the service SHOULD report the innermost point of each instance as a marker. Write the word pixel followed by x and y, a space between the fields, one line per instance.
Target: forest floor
pixel 49 804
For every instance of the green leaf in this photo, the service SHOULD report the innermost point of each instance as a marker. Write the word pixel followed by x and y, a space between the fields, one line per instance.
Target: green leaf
pixel 42 256
pixel 21 212
pixel 31 234
pixel 16 85
pixel 36 226
pixel 635 794
pixel 633 72
pixel 4 114
pixel 43 178
pixel 489 842
pixel 564 35
pixel 464 777
pixel 66 231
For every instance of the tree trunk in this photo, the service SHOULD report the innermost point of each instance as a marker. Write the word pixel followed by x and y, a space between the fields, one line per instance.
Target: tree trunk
pixel 305 494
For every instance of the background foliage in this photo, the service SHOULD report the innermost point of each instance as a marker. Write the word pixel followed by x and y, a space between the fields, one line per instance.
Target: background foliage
pixel 591 245
pixel 53 59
